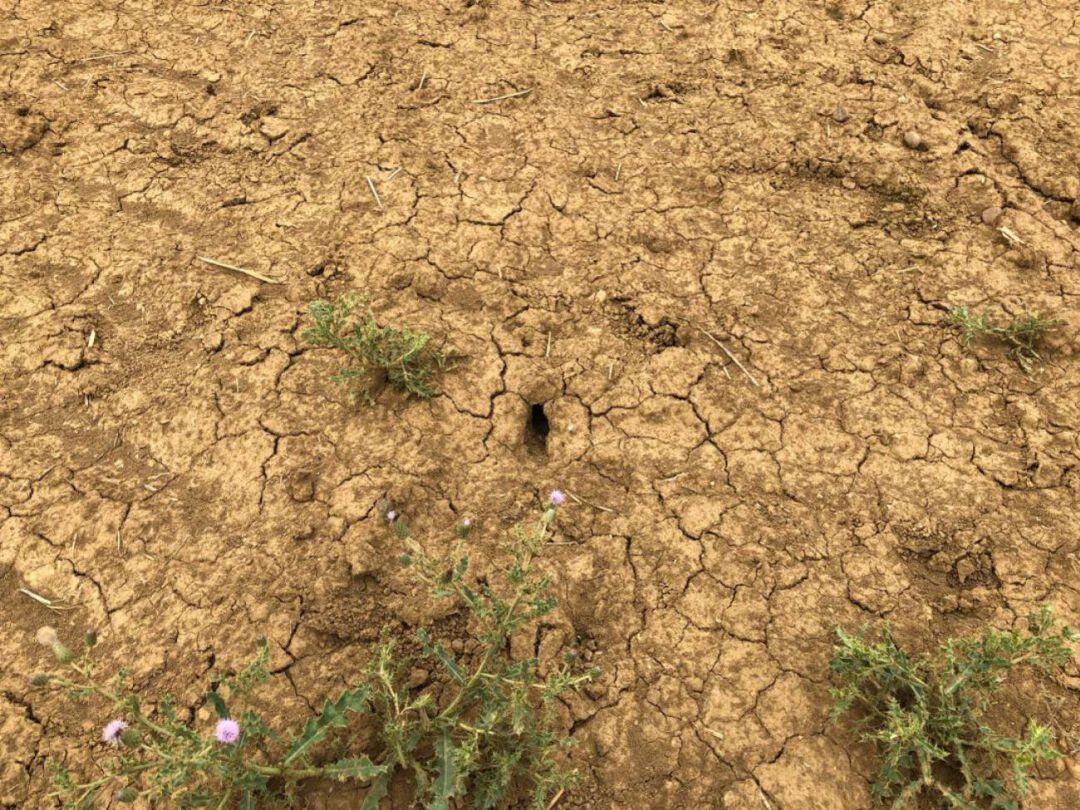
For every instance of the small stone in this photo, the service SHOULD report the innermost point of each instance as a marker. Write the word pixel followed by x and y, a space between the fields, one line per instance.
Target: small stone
pixel 418 677
pixel 273 128
pixel 848 183
pixel 601 296
pixel 213 341
pixel 912 139
pixel 46 636
pixel 840 115
pixel 880 38
pixel 238 299
pixel 992 216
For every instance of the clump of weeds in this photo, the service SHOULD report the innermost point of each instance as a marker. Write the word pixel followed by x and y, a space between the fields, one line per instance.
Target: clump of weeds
pixel 924 714
pixel 491 735
pixel 1022 334
pixel 401 357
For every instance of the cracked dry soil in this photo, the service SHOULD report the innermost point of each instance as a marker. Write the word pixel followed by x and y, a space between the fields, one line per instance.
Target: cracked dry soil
pixel 177 468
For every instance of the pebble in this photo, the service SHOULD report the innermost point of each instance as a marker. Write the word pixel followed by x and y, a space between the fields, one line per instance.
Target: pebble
pixel 418 677
pixel 880 38
pixel 992 216
pixel 840 115
pixel 273 128
pixel 912 139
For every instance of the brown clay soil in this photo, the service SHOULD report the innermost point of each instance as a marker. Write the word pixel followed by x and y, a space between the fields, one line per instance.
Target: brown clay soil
pixel 176 466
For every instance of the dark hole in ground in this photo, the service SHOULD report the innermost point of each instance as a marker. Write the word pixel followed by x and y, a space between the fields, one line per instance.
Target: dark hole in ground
pixel 537 429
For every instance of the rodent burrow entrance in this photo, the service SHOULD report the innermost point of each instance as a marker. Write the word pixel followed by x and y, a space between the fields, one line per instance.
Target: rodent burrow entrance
pixel 537 428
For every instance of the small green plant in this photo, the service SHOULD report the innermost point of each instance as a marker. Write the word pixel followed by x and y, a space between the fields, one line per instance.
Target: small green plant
pixel 490 734
pixel 402 357
pixel 924 714
pixel 1022 335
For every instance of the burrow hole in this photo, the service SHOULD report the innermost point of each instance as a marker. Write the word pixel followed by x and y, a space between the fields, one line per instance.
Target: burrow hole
pixel 537 429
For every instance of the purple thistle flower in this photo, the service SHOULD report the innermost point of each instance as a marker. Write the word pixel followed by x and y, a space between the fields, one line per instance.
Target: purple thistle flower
pixel 227 731
pixel 391 515
pixel 558 498
pixel 112 731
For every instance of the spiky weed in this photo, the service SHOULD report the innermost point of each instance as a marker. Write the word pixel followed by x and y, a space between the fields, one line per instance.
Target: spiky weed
pixel 1022 334
pixel 404 358
pixel 490 735
pixel 924 714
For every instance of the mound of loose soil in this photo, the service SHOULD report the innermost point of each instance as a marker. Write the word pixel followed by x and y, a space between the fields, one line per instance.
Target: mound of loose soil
pixel 712 242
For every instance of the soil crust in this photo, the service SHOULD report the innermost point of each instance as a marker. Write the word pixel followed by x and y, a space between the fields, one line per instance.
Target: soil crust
pixel 694 260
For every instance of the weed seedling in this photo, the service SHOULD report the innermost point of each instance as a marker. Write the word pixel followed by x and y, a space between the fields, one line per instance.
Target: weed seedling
pixel 1022 335
pixel 924 714
pixel 402 357
pixel 488 736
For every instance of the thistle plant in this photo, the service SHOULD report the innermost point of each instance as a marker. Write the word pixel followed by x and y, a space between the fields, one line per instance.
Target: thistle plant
pixel 1022 335
pixel 486 732
pixel 400 356
pixel 924 714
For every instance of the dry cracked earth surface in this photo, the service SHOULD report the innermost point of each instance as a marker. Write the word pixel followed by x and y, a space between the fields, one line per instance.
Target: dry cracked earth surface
pixel 704 243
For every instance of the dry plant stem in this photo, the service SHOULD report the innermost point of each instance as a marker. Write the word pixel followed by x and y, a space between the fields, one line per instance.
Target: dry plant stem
pixel 234 268
pixel 374 193
pixel 584 502
pixel 734 359
pixel 518 94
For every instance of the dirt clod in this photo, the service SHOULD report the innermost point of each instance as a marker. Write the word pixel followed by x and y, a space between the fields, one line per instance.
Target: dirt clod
pixel 913 140
pixel 992 216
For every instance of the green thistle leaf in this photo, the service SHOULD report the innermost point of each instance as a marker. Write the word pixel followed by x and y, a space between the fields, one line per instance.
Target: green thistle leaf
pixel 448 778
pixel 378 790
pixel 218 702
pixel 333 715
